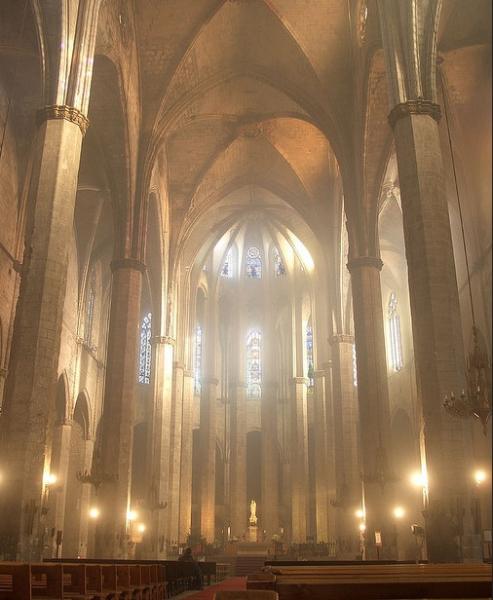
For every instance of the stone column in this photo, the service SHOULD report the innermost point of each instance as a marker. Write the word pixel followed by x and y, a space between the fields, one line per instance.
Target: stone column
pixel 346 438
pixel 373 400
pixel 238 461
pixel 435 311
pixel 299 461
pixel 117 421
pixel 270 454
pixel 321 458
pixel 159 492
pixel 331 453
pixel 28 409
pixel 59 466
pixel 85 499
pixel 186 458
pixel 208 457
pixel 175 454
pixel 410 47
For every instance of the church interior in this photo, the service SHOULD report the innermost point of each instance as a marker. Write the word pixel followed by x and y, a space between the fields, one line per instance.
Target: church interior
pixel 245 280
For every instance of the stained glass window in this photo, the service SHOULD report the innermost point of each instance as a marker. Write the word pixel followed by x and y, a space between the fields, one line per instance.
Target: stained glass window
pixel 254 263
pixel 145 354
pixel 197 360
pixel 90 302
pixel 254 365
pixel 394 334
pixel 279 269
pixel 355 367
pixel 227 270
pixel 309 354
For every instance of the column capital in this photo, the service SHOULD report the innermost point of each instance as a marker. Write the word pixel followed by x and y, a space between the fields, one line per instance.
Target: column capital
pixel 342 338
pixel 62 111
pixel 319 373
pixel 127 263
pixel 364 261
pixel 419 106
pixel 209 381
pixel 163 339
pixel 177 364
pixel 188 373
pixel 298 380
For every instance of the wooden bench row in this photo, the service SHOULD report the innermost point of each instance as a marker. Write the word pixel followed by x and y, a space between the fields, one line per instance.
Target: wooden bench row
pixel 33 581
pixel 180 575
pixel 372 581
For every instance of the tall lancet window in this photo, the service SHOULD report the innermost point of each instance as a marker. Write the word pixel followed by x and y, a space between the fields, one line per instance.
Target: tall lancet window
pixel 309 355
pixel 90 303
pixel 197 360
pixel 145 354
pixel 227 269
pixel 394 334
pixel 279 269
pixel 355 367
pixel 254 263
pixel 254 365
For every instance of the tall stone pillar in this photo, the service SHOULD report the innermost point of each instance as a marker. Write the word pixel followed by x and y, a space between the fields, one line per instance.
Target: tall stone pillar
pixel 59 466
pixel 117 421
pixel 238 460
pixel 435 310
pixel 159 492
pixel 208 458
pixel 299 461
pixel 346 442
pixel 175 454
pixel 270 460
pixel 186 458
pixel 331 455
pixel 28 409
pixel 321 458
pixel 373 401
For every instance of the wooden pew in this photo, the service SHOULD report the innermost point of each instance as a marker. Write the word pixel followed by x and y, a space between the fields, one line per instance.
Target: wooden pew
pixel 46 581
pixel 15 581
pixel 374 581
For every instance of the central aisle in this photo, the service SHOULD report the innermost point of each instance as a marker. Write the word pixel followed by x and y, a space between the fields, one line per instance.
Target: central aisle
pixel 235 583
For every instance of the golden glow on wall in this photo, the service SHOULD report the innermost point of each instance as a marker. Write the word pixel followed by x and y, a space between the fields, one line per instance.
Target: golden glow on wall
pixel 302 252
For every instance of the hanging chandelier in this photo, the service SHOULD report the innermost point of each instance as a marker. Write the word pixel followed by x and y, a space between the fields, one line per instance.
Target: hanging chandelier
pixel 475 401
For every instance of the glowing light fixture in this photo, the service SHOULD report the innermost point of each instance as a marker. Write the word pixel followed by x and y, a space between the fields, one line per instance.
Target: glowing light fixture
pixel 362 527
pixel 94 512
pixel 479 476
pixel 399 512
pixel 418 479
pixel 360 513
pixel 132 515
pixel 49 479
pixel 141 527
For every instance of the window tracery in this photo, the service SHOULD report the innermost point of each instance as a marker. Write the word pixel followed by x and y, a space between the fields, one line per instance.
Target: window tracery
pixel 279 268
pixel 145 353
pixel 309 355
pixel 394 334
pixel 90 304
pixel 197 360
pixel 254 365
pixel 227 268
pixel 355 367
pixel 253 263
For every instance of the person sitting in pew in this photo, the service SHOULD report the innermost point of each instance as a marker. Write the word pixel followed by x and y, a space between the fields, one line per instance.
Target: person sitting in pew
pixel 187 556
